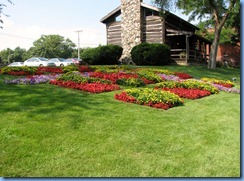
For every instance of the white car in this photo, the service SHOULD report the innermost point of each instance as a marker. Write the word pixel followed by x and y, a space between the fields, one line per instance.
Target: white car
pixel 36 62
pixel 16 64
pixel 60 62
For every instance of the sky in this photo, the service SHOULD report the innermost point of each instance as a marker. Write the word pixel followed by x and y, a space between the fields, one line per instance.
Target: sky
pixel 30 19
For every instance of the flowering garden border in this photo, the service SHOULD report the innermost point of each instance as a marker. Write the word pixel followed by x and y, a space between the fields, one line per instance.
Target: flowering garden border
pixel 97 80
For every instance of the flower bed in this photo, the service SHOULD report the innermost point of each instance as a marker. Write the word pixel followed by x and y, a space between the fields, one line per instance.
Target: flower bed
pixel 95 87
pixel 132 82
pixel 224 83
pixel 188 84
pixel 169 77
pixel 183 75
pixel 226 89
pixel 149 75
pixel 113 77
pixel 150 97
pixel 19 71
pixel 121 78
pixel 48 70
pixel 36 79
pixel 22 71
pixel 188 93
pixel 81 78
pixel 85 68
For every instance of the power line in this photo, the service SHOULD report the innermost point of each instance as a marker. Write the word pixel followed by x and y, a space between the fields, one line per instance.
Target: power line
pixel 15 36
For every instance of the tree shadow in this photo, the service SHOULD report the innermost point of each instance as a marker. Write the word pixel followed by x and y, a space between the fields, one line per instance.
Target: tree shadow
pixel 45 102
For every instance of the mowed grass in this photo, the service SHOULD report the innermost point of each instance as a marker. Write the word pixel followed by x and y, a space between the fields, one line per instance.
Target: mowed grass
pixel 49 131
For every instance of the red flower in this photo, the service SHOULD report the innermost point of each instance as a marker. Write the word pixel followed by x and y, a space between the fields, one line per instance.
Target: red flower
pixel 225 85
pixel 124 97
pixel 88 87
pixel 183 75
pixel 189 93
pixel 127 98
pixel 113 77
pixel 43 70
pixel 18 73
pixel 85 68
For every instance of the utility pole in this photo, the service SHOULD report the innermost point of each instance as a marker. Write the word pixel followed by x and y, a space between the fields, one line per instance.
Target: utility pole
pixel 78 31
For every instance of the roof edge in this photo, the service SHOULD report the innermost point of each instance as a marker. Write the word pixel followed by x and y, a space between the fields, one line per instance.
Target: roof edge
pixel 103 20
pixel 110 14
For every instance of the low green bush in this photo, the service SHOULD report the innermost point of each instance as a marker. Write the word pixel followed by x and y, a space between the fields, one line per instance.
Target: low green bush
pixel 102 55
pixel 151 54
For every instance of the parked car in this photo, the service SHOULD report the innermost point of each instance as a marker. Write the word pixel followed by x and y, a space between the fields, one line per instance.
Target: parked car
pixel 61 62
pixel 37 62
pixel 16 64
pixel 77 61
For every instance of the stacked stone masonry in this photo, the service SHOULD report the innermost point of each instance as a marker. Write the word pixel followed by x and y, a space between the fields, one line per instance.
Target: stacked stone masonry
pixel 131 26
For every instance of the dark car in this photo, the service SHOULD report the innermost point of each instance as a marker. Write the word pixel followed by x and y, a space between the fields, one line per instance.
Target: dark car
pixel 77 61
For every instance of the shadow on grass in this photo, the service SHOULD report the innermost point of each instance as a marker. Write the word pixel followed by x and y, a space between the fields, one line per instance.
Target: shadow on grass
pixel 48 100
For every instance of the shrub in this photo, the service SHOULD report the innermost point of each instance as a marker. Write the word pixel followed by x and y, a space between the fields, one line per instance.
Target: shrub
pixel 219 64
pixel 151 54
pixel 102 55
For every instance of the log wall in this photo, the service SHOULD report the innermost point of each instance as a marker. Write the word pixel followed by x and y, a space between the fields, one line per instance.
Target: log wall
pixel 114 33
pixel 152 29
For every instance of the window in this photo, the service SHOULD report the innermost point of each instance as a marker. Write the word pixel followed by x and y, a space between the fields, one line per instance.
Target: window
pixel 149 12
pixel 118 18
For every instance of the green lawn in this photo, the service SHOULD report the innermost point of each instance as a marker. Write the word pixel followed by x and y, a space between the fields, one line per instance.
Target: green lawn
pixel 49 131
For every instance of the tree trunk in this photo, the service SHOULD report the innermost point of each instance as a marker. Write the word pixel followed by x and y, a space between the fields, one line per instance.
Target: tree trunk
pixel 214 48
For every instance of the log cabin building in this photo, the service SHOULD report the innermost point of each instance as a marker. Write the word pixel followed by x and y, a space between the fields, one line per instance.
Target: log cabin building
pixel 135 22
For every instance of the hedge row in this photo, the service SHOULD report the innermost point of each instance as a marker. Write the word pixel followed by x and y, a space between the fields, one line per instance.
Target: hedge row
pixel 142 54
pixel 102 55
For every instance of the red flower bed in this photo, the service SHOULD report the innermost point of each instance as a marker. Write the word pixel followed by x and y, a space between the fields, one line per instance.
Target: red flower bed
pixel 159 105
pixel 146 81
pixel 183 75
pixel 113 77
pixel 189 93
pixel 225 85
pixel 85 68
pixel 127 98
pixel 18 73
pixel 88 87
pixel 54 70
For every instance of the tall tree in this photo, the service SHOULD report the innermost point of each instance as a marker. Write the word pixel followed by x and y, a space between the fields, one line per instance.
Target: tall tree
pixel 1 11
pixel 51 46
pixel 215 11
pixel 7 55
pixel 19 54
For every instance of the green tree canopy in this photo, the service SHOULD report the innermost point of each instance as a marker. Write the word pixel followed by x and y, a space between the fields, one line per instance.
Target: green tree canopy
pixel 17 55
pixel 51 46
pixel 6 55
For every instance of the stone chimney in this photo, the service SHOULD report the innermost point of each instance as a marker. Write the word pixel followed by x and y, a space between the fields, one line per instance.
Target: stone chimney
pixel 131 25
